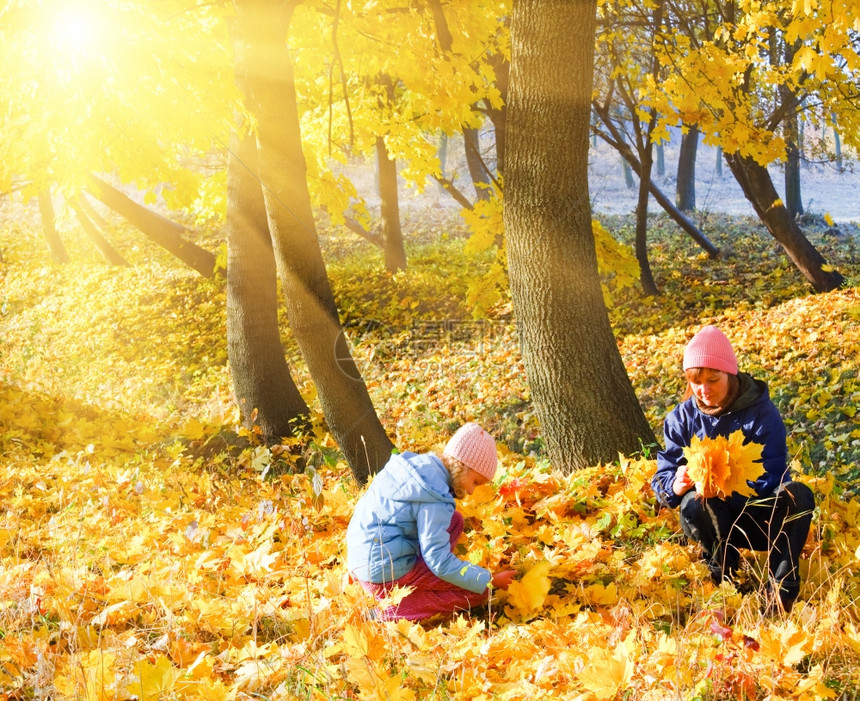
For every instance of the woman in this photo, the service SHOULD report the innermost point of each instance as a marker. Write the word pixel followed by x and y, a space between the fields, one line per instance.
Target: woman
pixel 719 401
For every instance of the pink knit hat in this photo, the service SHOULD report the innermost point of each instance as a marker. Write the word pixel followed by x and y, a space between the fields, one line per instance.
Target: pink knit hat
pixel 475 448
pixel 711 349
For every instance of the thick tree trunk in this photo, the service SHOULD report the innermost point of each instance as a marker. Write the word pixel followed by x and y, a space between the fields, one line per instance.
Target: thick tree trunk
pixel 264 61
pixel 583 397
pixel 165 233
pixel 265 392
pixel 49 228
pixel 475 162
pixel 757 185
pixel 109 253
pixel 389 202
pixel 685 185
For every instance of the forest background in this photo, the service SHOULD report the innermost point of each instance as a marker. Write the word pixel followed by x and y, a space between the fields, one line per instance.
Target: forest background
pixel 154 546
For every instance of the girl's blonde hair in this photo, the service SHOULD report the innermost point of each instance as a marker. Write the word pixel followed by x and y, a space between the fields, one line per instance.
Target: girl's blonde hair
pixel 458 472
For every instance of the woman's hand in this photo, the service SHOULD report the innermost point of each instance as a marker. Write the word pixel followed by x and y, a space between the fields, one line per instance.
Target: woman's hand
pixel 682 483
pixel 503 579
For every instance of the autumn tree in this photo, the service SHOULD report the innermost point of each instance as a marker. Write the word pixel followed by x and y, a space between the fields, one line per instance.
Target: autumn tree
pixel 625 66
pixel 725 79
pixel 437 62
pixel 264 70
pixel 117 89
pixel 584 400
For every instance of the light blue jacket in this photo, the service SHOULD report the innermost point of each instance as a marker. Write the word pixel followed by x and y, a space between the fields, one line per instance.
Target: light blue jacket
pixel 404 514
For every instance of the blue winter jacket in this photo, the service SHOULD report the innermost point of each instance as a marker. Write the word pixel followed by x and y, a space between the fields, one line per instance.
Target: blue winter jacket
pixel 405 513
pixel 752 412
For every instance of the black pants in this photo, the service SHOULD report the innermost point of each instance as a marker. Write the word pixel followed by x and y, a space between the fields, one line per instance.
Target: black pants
pixel 777 524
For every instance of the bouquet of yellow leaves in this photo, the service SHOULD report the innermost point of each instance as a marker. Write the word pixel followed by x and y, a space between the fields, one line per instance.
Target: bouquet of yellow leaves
pixel 722 466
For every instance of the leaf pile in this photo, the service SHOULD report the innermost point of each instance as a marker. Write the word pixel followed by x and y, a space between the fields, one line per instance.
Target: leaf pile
pixel 140 561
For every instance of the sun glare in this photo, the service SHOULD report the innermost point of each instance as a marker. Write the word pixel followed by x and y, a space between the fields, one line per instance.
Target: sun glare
pixel 76 29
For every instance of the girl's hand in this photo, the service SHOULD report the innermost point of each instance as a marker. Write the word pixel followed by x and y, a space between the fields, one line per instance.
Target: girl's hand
pixel 682 483
pixel 503 579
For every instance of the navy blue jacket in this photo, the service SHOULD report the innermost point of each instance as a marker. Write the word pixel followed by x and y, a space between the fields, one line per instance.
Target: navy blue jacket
pixel 752 412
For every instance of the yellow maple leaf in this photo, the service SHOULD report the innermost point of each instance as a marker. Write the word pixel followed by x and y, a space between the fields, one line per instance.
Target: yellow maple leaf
pixel 155 680
pixel 786 644
pixel 707 465
pixel 722 466
pixel 354 641
pixel 606 672
pixel 528 594
pixel 745 464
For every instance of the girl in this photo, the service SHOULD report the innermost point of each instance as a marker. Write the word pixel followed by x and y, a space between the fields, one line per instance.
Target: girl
pixel 405 527
pixel 719 401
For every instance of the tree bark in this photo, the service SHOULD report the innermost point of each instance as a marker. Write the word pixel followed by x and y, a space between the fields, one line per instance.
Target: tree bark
pixel 165 233
pixel 582 395
pixel 49 227
pixel 477 168
pixel 266 394
pixel 109 253
pixel 392 234
pixel 757 185
pixel 685 186
pixel 264 63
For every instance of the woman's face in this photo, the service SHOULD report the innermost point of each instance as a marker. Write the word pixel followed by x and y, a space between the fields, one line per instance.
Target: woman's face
pixel 472 480
pixel 711 387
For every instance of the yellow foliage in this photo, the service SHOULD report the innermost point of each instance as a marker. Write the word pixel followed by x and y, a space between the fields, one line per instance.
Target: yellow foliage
pixel 722 466
pixel 528 593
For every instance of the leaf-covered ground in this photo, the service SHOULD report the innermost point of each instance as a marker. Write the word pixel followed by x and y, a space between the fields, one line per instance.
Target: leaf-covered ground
pixel 140 559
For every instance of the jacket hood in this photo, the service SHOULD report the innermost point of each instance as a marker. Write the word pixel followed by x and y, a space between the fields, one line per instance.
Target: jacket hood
pixel 751 391
pixel 413 477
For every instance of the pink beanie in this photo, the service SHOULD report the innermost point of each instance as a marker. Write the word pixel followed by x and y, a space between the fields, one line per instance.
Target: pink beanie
pixel 475 448
pixel 711 349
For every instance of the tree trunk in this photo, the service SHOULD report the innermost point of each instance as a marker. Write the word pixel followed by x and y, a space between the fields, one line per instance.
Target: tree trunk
pixel 646 277
pixel 49 227
pixel 392 234
pixel 499 116
pixel 685 186
pixel 109 253
pixel 583 397
pixel 165 233
pixel 265 392
pixel 265 63
pixel 443 156
pixel 477 168
pixel 793 196
pixel 757 185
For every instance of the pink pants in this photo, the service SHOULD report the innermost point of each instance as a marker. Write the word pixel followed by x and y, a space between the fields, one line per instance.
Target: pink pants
pixel 430 594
